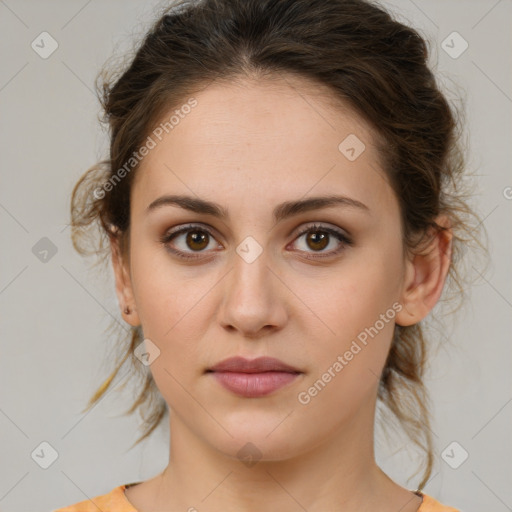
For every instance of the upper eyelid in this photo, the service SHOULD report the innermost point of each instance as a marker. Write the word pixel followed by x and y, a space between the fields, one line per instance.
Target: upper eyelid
pixel 189 227
pixel 298 231
pixel 324 225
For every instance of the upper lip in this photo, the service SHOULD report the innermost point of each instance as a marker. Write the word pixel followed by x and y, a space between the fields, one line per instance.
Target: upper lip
pixel 258 365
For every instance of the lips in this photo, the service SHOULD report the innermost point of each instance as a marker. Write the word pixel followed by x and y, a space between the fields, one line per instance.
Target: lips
pixel 258 365
pixel 253 378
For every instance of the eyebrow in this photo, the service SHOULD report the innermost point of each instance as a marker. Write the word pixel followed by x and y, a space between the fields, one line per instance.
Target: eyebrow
pixel 281 211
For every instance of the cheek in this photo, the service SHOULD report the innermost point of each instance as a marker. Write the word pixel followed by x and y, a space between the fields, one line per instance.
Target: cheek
pixel 163 297
pixel 175 307
pixel 365 287
pixel 359 305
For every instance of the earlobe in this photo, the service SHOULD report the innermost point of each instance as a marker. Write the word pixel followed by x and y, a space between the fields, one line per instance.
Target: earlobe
pixel 124 290
pixel 425 276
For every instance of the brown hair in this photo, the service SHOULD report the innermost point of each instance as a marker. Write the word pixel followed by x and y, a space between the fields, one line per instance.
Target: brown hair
pixel 371 62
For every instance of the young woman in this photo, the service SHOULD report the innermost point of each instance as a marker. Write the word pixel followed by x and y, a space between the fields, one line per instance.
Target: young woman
pixel 281 208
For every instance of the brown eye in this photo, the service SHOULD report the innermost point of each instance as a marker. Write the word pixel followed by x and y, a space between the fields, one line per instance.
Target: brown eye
pixel 197 240
pixel 317 238
pixel 186 241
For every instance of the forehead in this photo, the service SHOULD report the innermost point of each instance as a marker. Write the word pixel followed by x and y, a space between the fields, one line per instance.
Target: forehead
pixel 271 111
pixel 285 136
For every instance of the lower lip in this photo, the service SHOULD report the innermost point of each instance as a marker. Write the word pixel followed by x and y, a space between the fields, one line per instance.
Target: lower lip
pixel 253 385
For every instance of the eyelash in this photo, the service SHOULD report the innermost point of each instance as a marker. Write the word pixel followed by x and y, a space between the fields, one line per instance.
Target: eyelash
pixel 168 237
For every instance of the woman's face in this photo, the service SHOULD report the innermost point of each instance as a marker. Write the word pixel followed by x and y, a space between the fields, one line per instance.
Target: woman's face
pixel 258 285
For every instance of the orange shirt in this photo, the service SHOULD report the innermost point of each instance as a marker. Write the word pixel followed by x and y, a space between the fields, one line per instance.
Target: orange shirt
pixel 116 501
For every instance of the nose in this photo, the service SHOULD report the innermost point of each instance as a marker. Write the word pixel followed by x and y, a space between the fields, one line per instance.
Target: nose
pixel 254 299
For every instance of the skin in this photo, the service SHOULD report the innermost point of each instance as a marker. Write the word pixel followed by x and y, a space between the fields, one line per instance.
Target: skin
pixel 250 145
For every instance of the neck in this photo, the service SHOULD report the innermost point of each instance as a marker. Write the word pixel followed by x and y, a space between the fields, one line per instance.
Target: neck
pixel 339 473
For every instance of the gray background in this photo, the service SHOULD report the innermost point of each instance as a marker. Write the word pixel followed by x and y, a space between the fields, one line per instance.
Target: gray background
pixel 54 313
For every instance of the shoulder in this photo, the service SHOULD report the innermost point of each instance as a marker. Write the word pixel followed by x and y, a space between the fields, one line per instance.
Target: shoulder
pixel 113 501
pixel 429 504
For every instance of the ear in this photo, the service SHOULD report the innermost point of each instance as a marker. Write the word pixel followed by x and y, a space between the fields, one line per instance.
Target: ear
pixel 425 275
pixel 124 289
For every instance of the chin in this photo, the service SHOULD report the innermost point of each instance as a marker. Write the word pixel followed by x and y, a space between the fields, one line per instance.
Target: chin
pixel 254 443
